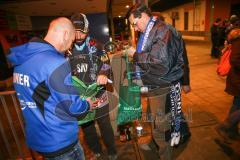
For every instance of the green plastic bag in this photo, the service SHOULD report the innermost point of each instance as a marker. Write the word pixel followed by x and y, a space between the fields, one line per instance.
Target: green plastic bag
pixel 129 108
pixel 85 92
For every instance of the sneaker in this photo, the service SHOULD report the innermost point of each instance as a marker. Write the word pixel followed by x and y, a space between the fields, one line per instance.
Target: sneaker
pixel 112 157
pixel 234 135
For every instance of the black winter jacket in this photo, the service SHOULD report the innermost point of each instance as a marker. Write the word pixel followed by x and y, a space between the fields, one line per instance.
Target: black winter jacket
pixel 162 57
pixel 90 61
pixel 233 77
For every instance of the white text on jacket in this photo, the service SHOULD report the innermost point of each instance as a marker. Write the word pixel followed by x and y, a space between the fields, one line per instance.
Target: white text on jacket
pixel 21 79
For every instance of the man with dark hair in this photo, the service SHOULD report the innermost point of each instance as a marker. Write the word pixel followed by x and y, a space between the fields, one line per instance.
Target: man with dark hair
pixel 50 104
pixel 159 54
pixel 90 63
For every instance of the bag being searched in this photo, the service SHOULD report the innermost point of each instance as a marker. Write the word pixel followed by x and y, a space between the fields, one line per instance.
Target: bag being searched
pixel 224 63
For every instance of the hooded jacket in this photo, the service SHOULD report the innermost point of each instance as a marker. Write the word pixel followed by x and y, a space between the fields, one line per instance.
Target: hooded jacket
pixel 49 103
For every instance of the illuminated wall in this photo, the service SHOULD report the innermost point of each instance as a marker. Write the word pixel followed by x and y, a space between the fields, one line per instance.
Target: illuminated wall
pixel 196 16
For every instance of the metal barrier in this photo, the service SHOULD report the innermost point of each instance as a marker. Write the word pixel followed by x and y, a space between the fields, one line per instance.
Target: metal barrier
pixel 11 117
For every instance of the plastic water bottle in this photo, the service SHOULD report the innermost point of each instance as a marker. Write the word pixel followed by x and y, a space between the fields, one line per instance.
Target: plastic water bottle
pixel 139 129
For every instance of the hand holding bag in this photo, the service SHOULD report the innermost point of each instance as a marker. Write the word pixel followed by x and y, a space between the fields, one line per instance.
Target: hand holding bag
pixel 85 92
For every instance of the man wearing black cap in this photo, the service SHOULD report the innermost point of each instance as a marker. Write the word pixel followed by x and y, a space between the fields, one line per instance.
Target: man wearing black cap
pixel 90 64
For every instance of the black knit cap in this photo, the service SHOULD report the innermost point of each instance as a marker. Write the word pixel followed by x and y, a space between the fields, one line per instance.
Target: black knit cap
pixel 80 22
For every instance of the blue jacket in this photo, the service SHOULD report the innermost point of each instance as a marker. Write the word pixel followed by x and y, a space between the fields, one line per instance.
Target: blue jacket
pixel 50 104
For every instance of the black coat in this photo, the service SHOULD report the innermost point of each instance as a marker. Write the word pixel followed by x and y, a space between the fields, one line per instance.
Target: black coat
pixel 233 77
pixel 162 57
pixel 185 80
pixel 90 61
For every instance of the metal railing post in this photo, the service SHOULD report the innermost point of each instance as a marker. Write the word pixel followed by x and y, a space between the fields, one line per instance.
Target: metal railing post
pixel 19 147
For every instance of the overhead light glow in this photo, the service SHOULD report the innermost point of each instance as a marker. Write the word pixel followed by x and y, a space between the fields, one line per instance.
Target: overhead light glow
pixel 126 21
pixel 127 6
pixel 119 16
pixel 105 29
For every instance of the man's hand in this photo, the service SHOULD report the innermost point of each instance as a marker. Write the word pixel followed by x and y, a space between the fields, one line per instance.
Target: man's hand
pixel 186 88
pixel 92 104
pixel 102 80
pixel 130 51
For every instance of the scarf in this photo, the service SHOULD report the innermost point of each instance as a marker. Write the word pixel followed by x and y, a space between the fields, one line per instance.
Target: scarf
pixel 142 42
pixel 144 36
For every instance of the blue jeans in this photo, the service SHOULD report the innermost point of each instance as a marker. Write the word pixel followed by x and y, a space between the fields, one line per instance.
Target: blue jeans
pixel 76 153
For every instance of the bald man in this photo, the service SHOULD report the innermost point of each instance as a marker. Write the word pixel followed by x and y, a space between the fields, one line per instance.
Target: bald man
pixel 50 104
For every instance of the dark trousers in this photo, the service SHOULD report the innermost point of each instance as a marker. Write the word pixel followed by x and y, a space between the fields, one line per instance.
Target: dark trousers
pixel 167 117
pixel 105 127
pixel 161 122
pixel 215 51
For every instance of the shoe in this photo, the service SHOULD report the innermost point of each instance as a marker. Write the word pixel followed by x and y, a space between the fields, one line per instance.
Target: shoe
pixel 184 138
pixel 223 131
pixel 97 156
pixel 233 134
pixel 112 157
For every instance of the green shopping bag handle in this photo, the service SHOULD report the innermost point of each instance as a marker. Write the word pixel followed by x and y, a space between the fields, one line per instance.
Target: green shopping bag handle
pixel 129 77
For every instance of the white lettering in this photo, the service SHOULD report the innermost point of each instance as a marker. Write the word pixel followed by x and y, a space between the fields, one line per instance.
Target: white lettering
pixel 21 79
pixel 82 67
pixel 26 80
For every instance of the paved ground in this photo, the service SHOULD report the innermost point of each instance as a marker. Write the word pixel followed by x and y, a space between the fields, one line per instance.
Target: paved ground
pixel 205 106
pixel 208 104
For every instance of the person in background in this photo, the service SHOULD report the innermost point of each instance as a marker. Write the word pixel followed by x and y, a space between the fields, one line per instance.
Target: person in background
pixel 229 128
pixel 90 63
pixel 215 37
pixel 159 55
pixel 234 23
pixel 223 34
pixel 50 104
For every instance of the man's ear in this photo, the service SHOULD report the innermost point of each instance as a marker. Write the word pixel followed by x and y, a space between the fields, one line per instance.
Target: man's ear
pixel 65 35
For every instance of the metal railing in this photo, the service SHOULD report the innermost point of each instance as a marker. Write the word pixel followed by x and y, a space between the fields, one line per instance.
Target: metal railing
pixel 11 125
